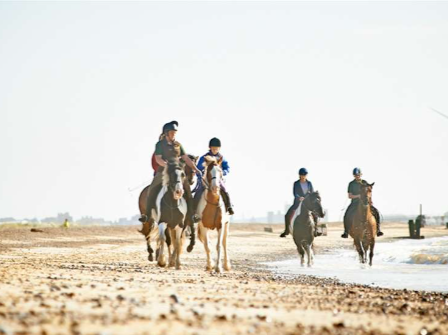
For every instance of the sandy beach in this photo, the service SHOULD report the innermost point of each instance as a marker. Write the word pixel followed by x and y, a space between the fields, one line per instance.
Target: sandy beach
pixel 97 280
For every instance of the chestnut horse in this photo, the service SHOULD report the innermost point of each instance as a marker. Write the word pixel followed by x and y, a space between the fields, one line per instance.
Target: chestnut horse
pixel 146 230
pixel 213 214
pixel 363 225
pixel 303 227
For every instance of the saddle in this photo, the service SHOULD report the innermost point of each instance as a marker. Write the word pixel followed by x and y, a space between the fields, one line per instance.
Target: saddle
pixel 212 214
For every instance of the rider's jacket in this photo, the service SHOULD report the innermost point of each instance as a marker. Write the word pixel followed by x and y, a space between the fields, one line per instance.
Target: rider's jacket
pixel 354 188
pixel 225 163
pixel 168 150
pixel 297 189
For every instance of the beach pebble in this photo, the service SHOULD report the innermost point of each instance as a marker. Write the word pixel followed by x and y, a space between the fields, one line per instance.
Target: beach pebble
pixel 174 298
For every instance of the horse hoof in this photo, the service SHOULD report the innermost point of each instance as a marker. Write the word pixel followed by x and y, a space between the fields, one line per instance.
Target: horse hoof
pixel 150 257
pixel 161 264
pixel 208 268
pixel 227 268
pixel 218 269
pixel 190 248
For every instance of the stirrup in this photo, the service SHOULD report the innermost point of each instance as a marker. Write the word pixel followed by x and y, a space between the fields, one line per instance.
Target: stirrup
pixel 143 218
pixel 230 211
pixel 379 234
pixel 284 234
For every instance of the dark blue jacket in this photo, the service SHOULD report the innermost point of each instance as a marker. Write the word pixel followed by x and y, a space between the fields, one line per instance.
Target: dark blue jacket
pixel 298 192
pixel 225 165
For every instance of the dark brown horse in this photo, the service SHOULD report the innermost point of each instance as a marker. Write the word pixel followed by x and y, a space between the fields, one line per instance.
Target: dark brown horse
pixel 303 227
pixel 363 225
pixel 146 229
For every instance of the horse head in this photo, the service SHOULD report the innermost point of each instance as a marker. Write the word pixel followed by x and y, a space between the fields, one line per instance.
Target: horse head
pixel 189 172
pixel 213 173
pixel 174 177
pixel 313 204
pixel 366 193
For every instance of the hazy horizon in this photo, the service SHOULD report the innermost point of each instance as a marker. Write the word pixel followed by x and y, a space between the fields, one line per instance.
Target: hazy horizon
pixel 87 86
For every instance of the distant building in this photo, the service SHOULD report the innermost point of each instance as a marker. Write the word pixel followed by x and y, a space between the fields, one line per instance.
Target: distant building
pixel 8 220
pixel 88 220
pixel 60 218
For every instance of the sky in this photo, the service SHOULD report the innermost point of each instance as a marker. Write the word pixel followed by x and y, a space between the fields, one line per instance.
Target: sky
pixel 85 88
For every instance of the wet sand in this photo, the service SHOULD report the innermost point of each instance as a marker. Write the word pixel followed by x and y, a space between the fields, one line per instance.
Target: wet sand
pixel 92 280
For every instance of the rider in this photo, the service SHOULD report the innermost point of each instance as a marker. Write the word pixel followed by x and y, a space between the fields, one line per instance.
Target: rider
pixel 354 193
pixel 215 146
pixel 302 187
pixel 168 148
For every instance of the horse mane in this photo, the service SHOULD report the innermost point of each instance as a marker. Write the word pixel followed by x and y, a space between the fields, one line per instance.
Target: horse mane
pixel 171 166
pixel 191 157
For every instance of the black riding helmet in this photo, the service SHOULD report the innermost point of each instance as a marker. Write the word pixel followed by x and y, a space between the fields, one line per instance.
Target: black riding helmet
pixel 215 142
pixel 171 126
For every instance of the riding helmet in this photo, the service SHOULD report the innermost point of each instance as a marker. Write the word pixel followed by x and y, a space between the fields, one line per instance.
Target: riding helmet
pixel 215 142
pixel 303 171
pixel 171 126
pixel 357 171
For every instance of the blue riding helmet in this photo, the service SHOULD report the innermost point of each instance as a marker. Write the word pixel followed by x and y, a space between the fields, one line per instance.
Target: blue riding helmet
pixel 303 171
pixel 357 171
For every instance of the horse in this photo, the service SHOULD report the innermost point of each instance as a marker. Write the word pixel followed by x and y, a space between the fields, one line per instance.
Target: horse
pixel 363 225
pixel 148 231
pixel 213 214
pixel 303 227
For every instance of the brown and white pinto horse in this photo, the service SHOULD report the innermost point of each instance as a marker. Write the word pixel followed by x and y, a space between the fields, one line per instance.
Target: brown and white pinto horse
pixel 149 232
pixel 363 226
pixel 213 214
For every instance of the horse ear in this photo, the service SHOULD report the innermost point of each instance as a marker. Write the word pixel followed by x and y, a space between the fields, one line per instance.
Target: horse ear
pixel 220 161
pixel 372 184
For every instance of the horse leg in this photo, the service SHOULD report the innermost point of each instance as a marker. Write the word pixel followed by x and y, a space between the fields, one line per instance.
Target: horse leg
pixel 365 246
pixel 372 246
pixel 149 248
pixel 160 246
pixel 192 238
pixel 172 248
pixel 358 245
pixel 227 265
pixel 204 239
pixel 301 253
pixel 312 253
pixel 218 267
pixel 178 231
pixel 308 252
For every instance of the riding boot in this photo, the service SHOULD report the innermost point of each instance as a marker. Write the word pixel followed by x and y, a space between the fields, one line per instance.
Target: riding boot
pixel 376 214
pixel 346 228
pixel 226 198
pixel 317 233
pixel 153 192
pixel 287 225
pixel 348 218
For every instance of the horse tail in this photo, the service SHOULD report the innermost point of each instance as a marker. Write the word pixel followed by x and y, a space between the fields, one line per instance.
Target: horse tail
pixel 304 244
pixel 199 233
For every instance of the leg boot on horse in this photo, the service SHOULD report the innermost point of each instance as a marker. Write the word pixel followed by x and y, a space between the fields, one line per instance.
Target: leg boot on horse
pixel 376 214
pixel 228 204
pixel 348 218
pixel 191 217
pixel 288 217
pixel 317 233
